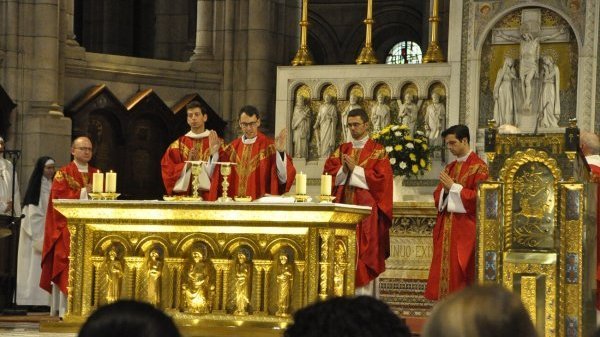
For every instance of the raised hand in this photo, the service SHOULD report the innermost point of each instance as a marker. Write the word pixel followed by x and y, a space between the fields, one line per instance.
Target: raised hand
pixel 214 143
pixel 280 140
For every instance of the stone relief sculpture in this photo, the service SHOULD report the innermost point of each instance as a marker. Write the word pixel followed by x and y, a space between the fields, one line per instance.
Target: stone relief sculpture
pixel 113 275
pixel 301 127
pixel 242 284
pixel 198 288
pixel 380 114
pixel 434 119
pixel 284 286
pixel 408 111
pixel 154 267
pixel 353 104
pixel 529 58
pixel 504 98
pixel 550 100
pixel 325 126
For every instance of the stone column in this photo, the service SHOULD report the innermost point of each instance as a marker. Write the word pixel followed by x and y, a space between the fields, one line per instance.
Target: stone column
pixel 260 69
pixel 69 8
pixel 204 31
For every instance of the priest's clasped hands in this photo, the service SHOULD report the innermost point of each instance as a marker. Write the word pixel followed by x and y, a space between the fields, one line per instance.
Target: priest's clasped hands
pixel 348 163
pixel 446 180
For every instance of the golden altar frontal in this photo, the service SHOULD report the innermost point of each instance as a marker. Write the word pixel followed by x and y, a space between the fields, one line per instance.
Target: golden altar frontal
pixel 239 265
pixel 537 228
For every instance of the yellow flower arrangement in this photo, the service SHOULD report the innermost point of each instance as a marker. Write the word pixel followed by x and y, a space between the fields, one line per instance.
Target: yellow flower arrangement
pixel 409 154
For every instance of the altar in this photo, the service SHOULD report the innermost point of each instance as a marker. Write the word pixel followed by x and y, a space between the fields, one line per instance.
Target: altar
pixel 213 267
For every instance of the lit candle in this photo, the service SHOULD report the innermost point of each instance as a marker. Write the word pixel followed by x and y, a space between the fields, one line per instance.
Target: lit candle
pixel 111 182
pixel 325 184
pixel 98 182
pixel 300 183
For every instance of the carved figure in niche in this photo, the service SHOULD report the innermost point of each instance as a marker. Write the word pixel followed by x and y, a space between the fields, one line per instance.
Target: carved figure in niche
pixel 325 126
pixel 504 98
pixel 530 55
pixel 550 101
pixel 339 269
pixel 113 275
pixel 352 104
pixel 301 127
pixel 284 286
pixel 154 267
pixel 241 289
pixel 380 114
pixel 434 119
pixel 198 288
pixel 408 111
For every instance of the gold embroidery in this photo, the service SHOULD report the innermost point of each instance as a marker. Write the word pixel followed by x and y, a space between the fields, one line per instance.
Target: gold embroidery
pixel 445 259
pixel 73 184
pixel 248 164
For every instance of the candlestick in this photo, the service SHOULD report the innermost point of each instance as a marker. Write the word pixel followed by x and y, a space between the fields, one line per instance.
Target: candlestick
pixel 111 182
pixel 301 183
pixel 325 184
pixel 98 182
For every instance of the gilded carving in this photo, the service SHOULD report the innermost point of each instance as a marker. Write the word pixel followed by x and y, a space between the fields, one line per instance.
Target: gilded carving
pixel 198 288
pixel 154 270
pixel 339 268
pixel 113 274
pixel 285 277
pixel 241 287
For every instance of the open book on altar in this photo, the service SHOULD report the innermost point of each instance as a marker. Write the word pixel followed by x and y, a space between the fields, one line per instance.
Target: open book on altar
pixel 277 199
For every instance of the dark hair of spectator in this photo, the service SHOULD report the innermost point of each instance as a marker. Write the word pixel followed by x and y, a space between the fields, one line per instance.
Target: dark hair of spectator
pixel 361 316
pixel 128 318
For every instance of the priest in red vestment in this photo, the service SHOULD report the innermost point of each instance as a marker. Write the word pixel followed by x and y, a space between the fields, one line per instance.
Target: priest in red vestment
pixel 198 144
pixel 262 167
pixel 73 181
pixel 590 147
pixel 363 176
pixel 454 233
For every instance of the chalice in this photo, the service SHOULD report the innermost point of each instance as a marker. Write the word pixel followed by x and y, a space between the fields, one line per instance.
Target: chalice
pixel 225 172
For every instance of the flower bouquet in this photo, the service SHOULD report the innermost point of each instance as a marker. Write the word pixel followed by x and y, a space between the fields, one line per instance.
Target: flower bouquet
pixel 409 154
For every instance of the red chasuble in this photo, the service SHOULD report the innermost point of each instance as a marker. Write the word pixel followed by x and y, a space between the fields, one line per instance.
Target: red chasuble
pixel 454 234
pixel 173 162
pixel 256 171
pixel 595 176
pixel 373 233
pixel 67 184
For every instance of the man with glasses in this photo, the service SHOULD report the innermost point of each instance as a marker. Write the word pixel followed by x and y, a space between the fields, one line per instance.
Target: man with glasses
pixel 363 176
pixel 198 144
pixel 262 167
pixel 73 181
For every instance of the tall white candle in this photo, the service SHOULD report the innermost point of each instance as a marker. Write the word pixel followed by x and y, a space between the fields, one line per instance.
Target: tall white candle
pixel 98 182
pixel 325 184
pixel 111 182
pixel 300 183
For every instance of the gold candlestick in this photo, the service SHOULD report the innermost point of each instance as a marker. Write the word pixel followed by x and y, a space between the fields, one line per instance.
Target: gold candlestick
pixel 303 56
pixel 367 54
pixel 225 172
pixel 434 52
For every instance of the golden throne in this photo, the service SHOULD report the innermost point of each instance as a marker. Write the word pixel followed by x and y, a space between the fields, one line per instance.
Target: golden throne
pixel 536 228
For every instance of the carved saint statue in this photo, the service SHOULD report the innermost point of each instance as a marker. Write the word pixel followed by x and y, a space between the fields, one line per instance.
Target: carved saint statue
pixel 550 100
pixel 325 126
pixel 352 104
pixel 114 274
pixel 284 286
pixel 408 111
pixel 154 267
pixel 504 98
pixel 380 114
pixel 530 55
pixel 301 127
pixel 434 119
pixel 241 285
pixel 198 288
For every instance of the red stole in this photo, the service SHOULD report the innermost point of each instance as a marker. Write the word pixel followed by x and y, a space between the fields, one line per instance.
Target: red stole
pixel 373 239
pixel 67 184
